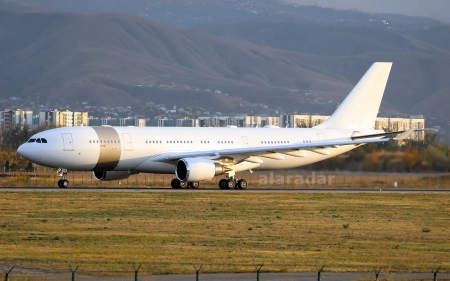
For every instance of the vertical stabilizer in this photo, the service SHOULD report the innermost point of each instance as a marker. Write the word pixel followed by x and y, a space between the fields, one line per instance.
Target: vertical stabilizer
pixel 360 108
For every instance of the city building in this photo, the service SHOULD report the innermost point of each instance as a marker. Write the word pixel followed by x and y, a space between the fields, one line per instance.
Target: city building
pixel 246 121
pixel 80 119
pixel 402 124
pixel 187 122
pixel 270 121
pixel 165 122
pixel 214 121
pixel 12 118
pixel 63 118
pixel 317 119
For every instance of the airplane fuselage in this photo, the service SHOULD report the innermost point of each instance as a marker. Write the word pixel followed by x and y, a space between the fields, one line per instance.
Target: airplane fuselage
pixel 136 149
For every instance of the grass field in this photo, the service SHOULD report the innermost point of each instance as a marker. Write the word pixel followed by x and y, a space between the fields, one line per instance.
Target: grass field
pixel 171 232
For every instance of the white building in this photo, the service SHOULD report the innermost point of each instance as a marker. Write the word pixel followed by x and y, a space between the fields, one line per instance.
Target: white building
pixel 11 118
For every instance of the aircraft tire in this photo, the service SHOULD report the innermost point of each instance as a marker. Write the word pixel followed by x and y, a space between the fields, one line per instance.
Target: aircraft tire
pixel 184 184
pixel 242 184
pixel 64 183
pixel 231 184
pixel 175 183
pixel 222 184
pixel 194 184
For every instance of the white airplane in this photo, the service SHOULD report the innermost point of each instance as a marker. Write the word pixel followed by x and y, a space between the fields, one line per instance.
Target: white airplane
pixel 198 154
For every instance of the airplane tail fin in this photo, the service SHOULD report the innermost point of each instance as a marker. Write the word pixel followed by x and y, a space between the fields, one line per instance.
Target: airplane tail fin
pixel 360 108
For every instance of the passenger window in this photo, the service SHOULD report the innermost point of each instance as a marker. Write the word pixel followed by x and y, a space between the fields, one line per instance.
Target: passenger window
pixel 44 140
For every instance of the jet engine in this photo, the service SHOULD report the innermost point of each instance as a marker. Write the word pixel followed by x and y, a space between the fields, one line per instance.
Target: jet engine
pixel 111 175
pixel 196 169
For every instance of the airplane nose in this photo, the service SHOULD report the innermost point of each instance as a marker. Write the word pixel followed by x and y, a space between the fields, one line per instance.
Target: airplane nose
pixel 20 150
pixel 23 151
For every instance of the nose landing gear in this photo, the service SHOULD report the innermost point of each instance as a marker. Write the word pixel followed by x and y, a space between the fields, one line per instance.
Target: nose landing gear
pixel 63 182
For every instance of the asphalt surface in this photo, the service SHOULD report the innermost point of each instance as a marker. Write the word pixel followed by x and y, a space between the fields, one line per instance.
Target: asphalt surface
pixel 278 190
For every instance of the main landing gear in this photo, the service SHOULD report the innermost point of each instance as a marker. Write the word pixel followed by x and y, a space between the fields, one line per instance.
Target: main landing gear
pixel 229 183
pixel 63 182
pixel 177 184
pixel 232 183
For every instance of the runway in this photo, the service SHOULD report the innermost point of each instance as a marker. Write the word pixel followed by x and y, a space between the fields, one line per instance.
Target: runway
pixel 204 190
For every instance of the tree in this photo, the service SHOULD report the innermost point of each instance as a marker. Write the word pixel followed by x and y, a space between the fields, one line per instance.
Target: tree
pixel 410 157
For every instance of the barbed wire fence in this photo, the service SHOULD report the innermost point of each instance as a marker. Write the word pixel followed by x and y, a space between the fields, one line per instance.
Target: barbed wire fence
pixel 258 268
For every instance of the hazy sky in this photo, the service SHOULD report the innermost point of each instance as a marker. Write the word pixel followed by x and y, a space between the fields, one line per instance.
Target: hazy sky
pixel 437 9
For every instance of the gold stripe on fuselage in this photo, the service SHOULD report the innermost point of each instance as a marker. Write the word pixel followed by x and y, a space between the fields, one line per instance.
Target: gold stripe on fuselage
pixel 110 149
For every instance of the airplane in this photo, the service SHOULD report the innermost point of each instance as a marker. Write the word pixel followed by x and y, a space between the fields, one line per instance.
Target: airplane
pixel 198 154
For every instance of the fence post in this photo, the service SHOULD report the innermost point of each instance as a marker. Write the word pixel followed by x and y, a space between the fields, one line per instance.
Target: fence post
pixel 435 273
pixel 258 270
pixel 376 272
pixel 7 272
pixel 73 272
pixel 197 272
pixel 136 270
pixel 319 271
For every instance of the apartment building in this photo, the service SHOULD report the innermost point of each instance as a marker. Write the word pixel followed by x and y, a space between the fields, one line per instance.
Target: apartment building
pixel 63 118
pixel 11 118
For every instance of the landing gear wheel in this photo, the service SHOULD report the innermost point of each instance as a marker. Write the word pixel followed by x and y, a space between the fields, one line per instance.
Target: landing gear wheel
pixel 194 184
pixel 231 184
pixel 63 182
pixel 175 183
pixel 184 184
pixel 242 184
pixel 222 184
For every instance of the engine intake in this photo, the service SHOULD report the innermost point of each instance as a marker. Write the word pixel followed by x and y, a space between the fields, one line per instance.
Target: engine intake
pixel 111 175
pixel 195 169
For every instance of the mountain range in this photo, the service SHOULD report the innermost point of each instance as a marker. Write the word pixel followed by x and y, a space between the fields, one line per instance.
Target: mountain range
pixel 258 66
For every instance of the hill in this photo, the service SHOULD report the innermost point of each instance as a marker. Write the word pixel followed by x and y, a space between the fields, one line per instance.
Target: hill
pixel 420 55
pixel 195 13
pixel 110 59
pixel 118 59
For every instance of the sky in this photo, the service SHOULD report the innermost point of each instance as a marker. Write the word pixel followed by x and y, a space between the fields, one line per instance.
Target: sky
pixel 437 9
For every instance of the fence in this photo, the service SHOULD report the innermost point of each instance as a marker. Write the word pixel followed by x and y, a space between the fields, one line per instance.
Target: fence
pixel 250 271
pixel 278 179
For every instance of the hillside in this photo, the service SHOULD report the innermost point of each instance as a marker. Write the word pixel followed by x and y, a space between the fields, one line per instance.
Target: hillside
pixel 195 13
pixel 110 59
pixel 421 55
pixel 103 58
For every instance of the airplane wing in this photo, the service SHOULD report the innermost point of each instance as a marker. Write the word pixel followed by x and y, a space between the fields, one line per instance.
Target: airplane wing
pixel 275 151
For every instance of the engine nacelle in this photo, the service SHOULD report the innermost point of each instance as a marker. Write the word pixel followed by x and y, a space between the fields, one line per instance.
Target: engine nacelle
pixel 195 169
pixel 111 175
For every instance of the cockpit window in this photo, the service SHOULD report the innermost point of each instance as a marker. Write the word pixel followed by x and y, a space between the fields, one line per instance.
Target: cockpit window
pixel 38 140
pixel 44 140
pixel 32 140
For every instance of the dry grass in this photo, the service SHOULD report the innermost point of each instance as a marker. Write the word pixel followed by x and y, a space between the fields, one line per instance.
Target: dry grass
pixel 277 179
pixel 105 232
